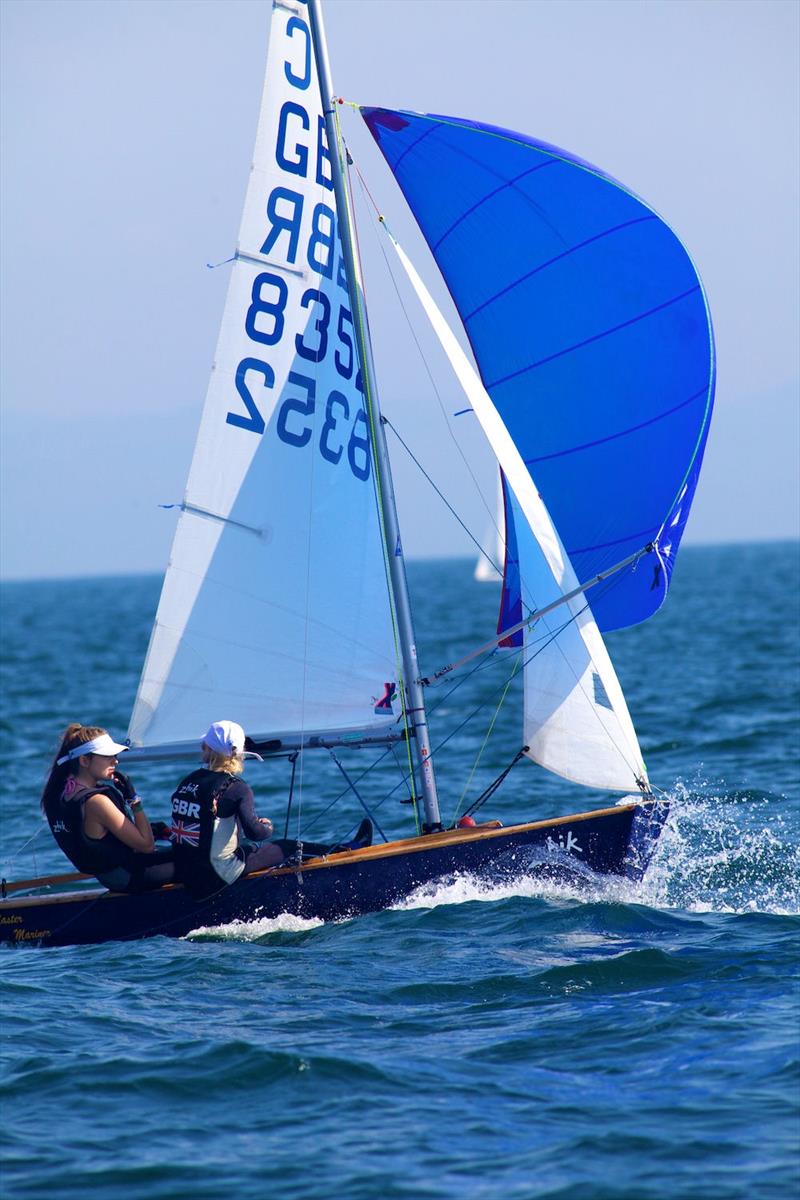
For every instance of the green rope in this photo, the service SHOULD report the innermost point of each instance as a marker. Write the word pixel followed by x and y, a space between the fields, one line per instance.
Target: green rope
pixel 492 723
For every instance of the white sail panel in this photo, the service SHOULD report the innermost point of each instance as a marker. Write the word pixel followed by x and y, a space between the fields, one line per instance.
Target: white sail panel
pixel 576 721
pixel 275 609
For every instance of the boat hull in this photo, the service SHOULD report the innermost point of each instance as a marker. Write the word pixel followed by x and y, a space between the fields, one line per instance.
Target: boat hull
pixel 614 841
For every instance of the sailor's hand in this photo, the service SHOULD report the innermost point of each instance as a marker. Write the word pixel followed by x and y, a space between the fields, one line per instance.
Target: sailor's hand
pixel 160 830
pixel 268 826
pixel 124 786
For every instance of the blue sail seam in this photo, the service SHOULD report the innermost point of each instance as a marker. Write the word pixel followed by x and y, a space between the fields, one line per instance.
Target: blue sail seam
pixel 662 416
pixel 508 183
pixel 543 266
pixel 595 338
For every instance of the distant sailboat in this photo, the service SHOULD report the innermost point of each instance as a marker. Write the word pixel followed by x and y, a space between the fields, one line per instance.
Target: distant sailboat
pixel 285 605
pixel 490 570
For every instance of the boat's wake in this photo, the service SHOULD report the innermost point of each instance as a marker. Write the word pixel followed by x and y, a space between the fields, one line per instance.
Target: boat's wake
pixel 726 853
pixel 717 853
pixel 729 851
pixel 255 930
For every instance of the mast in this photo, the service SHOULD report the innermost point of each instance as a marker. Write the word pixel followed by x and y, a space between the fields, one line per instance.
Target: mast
pixel 391 530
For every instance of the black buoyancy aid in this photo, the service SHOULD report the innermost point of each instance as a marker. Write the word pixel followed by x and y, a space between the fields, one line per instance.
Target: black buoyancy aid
pixel 194 823
pixel 92 856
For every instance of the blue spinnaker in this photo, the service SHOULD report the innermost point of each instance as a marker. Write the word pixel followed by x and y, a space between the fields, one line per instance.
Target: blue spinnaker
pixel 591 332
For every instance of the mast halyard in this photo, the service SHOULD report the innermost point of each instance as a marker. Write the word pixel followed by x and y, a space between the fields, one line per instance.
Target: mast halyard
pixel 388 510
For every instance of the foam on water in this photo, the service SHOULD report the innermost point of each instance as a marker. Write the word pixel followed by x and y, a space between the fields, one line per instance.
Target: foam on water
pixel 711 858
pixel 721 851
pixel 706 860
pixel 253 931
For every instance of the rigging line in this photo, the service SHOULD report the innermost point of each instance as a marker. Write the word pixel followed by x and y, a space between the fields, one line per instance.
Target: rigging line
pixel 441 494
pixel 490 660
pixel 479 755
pixel 545 640
pixel 359 294
pixel 495 784
pixel 480 706
pixel 533 617
pixel 9 861
pixel 540 650
pixel 544 646
pixel 315 820
pixel 359 797
pixel 404 777
pixel 412 799
pixel 484 703
pixel 382 221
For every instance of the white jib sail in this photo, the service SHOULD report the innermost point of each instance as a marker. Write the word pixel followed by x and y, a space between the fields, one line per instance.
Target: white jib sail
pixel 275 610
pixel 576 721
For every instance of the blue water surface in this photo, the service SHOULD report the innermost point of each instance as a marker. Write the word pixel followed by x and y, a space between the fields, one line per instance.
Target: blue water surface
pixel 621 1041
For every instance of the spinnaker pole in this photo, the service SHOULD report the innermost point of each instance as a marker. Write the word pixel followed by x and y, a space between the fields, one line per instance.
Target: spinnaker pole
pixel 396 563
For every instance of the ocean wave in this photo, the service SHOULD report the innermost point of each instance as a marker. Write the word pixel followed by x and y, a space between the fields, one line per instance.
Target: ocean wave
pixel 253 931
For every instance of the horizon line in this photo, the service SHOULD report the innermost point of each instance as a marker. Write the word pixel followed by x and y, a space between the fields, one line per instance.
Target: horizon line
pixel 155 572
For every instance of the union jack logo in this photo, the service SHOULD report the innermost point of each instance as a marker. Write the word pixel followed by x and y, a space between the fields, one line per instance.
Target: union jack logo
pixel 185 832
pixel 383 707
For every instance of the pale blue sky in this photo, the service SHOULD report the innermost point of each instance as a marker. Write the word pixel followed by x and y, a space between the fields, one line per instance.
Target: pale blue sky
pixel 128 127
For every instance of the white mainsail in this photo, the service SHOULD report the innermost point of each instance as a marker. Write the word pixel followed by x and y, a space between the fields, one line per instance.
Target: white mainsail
pixel 275 610
pixel 576 721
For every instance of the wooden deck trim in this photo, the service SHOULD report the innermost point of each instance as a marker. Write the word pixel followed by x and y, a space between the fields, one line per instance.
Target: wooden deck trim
pixel 430 841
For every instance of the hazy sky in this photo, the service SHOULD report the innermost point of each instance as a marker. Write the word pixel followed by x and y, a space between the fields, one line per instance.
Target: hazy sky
pixel 127 131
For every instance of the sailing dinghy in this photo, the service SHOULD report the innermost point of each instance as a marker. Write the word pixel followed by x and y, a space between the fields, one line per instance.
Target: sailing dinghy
pixel 285 605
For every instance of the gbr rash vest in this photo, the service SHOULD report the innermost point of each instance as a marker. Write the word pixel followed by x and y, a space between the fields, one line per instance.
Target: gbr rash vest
pixel 200 836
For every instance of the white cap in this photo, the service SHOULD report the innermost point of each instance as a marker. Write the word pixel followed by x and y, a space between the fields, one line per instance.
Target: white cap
pixel 225 737
pixel 103 744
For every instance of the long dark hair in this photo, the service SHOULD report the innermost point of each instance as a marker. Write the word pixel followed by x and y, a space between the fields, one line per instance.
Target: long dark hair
pixel 72 737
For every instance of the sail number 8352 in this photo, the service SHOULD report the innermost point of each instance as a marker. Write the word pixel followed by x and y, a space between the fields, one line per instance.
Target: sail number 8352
pixel 264 323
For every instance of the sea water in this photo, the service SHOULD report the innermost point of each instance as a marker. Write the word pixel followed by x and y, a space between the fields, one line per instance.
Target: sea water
pixel 620 1041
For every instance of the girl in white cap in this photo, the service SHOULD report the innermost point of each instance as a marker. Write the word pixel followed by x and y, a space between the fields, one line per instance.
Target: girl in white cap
pixel 214 821
pixel 97 817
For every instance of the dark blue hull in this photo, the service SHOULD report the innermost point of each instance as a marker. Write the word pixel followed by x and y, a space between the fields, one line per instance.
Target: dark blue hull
pixel 614 841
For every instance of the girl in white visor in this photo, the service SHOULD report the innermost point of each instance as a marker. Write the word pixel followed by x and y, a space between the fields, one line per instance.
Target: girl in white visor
pixel 97 817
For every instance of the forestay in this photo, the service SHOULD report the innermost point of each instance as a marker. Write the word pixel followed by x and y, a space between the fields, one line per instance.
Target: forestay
pixel 275 609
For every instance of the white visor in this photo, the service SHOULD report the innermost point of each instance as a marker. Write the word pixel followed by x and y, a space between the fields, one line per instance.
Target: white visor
pixel 104 745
